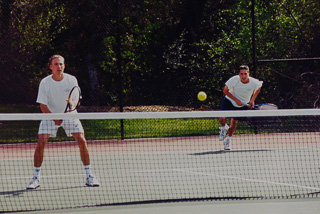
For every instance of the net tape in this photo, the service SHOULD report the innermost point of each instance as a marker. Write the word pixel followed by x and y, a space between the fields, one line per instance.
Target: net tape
pixel 150 115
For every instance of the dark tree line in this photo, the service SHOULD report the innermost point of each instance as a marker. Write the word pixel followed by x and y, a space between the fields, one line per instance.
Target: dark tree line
pixel 168 50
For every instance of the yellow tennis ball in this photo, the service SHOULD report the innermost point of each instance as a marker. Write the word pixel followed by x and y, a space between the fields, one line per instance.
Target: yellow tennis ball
pixel 202 96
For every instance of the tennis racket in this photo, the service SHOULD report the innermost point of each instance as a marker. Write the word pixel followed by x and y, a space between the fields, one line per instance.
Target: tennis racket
pixel 73 100
pixel 264 106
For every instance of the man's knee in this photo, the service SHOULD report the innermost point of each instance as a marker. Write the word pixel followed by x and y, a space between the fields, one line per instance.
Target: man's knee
pixel 42 140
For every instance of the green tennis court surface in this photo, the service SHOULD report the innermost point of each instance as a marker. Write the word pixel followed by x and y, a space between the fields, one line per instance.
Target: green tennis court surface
pixel 268 165
pixel 155 170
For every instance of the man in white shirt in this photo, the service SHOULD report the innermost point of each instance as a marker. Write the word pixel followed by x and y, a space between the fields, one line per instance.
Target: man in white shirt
pixel 239 91
pixel 52 96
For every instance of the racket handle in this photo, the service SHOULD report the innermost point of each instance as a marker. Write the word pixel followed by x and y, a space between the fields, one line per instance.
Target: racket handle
pixel 250 106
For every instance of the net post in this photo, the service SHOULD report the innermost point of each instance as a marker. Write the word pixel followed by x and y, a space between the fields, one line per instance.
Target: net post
pixel 119 61
pixel 254 60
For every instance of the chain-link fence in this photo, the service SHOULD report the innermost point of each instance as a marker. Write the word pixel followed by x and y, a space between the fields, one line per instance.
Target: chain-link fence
pixel 160 54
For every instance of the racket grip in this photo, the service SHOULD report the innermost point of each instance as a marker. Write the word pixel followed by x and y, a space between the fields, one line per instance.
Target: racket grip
pixel 250 106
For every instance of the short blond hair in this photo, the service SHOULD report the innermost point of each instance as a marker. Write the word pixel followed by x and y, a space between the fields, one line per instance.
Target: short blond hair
pixel 244 67
pixel 54 57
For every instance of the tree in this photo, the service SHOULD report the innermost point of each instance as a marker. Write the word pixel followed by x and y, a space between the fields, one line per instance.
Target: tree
pixel 169 50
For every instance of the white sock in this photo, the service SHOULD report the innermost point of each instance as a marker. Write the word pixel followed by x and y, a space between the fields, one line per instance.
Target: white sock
pixel 36 172
pixel 228 137
pixel 225 126
pixel 87 168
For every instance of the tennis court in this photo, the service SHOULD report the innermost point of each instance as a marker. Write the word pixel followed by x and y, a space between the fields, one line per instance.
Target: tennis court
pixel 278 165
pixel 155 170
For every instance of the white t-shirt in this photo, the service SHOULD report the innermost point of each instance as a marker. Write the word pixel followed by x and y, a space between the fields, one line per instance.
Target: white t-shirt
pixel 55 93
pixel 242 91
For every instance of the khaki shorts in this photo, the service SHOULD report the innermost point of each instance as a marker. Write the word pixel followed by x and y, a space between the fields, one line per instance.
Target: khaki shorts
pixel 70 126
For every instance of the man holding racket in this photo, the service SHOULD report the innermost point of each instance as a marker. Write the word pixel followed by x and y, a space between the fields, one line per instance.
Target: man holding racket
pixel 239 91
pixel 53 93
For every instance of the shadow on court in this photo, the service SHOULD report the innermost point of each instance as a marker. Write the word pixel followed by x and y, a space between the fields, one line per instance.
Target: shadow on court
pixel 23 191
pixel 231 151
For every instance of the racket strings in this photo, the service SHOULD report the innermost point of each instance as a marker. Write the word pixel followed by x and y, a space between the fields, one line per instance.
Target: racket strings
pixel 74 99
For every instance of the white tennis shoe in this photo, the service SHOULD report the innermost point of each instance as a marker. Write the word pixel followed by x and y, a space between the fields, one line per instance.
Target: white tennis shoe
pixel 223 132
pixel 92 181
pixel 34 184
pixel 227 143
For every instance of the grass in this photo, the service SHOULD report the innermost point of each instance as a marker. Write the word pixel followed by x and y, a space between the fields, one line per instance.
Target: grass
pixel 142 128
pixel 26 131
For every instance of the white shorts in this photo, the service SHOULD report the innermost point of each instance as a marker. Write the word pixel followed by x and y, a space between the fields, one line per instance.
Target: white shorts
pixel 70 126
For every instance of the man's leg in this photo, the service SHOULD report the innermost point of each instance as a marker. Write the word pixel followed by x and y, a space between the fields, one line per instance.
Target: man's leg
pixel 232 129
pixel 38 159
pixel 82 143
pixel 226 105
pixel 85 157
pixel 38 154
pixel 222 121
pixel 233 126
pixel 223 129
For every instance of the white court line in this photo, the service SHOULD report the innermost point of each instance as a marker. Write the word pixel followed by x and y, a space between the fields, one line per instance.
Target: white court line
pixel 186 171
pixel 219 167
pixel 116 171
pixel 229 177
pixel 254 180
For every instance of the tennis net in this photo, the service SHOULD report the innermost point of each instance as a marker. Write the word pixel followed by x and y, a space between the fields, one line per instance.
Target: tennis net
pixel 164 157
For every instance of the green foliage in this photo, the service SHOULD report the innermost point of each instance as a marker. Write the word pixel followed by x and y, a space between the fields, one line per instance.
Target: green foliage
pixel 169 50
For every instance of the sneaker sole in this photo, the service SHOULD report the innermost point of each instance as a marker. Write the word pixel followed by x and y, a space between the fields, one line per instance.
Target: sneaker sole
pixel 95 185
pixel 33 188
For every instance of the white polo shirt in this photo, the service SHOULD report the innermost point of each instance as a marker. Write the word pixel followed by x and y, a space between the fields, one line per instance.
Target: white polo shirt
pixel 242 91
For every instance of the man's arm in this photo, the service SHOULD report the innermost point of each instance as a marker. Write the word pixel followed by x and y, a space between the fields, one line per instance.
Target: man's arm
pixel 254 96
pixel 44 108
pixel 226 92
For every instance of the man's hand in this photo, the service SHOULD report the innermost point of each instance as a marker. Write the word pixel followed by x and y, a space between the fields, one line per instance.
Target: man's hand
pixel 251 104
pixel 57 122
